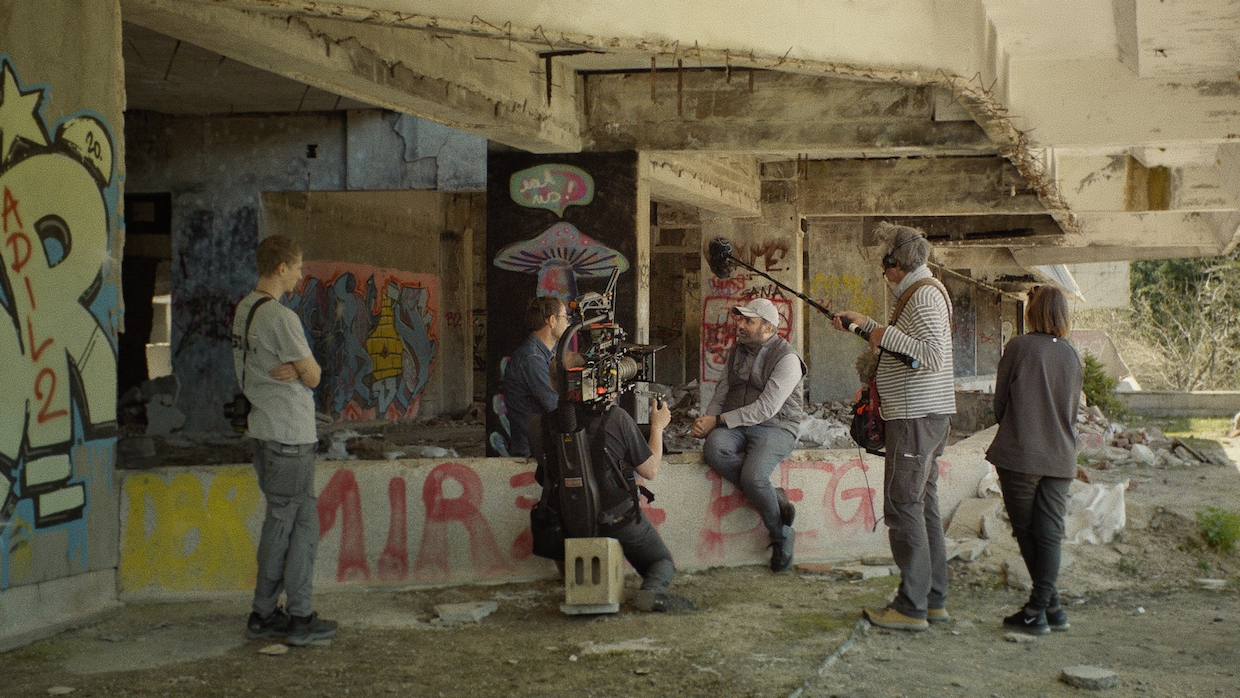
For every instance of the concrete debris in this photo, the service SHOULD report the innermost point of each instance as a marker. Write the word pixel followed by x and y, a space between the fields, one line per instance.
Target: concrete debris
pixel 1216 584
pixel 969 549
pixel 433 452
pixel 860 572
pixel 823 433
pixel 1104 445
pixel 338 446
pixel 1089 677
pixel 60 690
pixel 472 612
pixel 162 417
pixel 1019 637
pixel 274 650
pixel 1143 455
pixel 969 516
pixel 989 486
pixel 1017 574
pixel 641 644
pixel 1095 512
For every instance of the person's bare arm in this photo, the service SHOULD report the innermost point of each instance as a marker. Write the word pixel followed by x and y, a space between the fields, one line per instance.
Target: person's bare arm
pixel 659 419
pixel 308 371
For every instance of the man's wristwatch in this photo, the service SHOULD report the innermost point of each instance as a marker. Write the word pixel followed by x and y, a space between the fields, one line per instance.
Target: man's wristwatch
pixel 718 421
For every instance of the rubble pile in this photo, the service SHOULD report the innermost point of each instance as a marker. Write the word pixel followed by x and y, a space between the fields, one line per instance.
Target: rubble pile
pixel 1104 445
pixel 825 426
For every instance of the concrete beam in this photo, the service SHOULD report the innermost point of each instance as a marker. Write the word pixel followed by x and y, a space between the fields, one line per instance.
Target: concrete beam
pixel 1039 256
pixel 768 112
pixel 908 187
pixel 495 90
pixel 725 185
pixel 974 231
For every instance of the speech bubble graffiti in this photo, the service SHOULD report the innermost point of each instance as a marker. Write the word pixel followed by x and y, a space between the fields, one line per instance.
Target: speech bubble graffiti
pixel 553 187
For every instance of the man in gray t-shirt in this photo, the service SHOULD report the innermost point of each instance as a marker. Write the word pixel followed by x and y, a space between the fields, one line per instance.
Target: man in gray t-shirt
pixel 277 373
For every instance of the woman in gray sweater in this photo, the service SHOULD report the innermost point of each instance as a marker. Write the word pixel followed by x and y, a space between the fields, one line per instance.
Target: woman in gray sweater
pixel 1036 396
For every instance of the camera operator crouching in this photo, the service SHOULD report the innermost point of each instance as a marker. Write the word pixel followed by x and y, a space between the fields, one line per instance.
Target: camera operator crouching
pixel 618 452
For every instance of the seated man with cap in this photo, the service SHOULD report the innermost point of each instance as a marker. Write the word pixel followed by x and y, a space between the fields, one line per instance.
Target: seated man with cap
pixel 752 421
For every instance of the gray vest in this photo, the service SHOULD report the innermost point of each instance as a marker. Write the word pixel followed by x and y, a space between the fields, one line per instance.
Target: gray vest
pixel 743 390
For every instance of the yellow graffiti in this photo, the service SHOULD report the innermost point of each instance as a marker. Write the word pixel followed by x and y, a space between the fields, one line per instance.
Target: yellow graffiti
pixel 850 289
pixel 193 542
pixel 20 539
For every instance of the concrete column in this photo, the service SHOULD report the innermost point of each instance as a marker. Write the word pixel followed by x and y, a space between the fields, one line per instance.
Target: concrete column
pixel 842 275
pixel 63 93
pixel 772 244
pixel 641 333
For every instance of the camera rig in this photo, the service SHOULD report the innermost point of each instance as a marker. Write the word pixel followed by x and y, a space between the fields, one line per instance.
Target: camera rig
pixel 611 368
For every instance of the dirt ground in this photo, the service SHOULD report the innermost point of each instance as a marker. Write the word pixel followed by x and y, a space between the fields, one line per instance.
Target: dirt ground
pixel 1134 605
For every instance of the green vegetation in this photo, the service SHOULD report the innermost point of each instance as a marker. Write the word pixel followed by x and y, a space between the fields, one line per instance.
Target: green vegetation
pixel 1205 427
pixel 1099 388
pixel 1220 529
pixel 1188 311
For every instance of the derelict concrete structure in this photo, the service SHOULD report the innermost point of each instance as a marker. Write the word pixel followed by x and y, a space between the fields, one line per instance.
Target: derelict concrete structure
pixel 1020 138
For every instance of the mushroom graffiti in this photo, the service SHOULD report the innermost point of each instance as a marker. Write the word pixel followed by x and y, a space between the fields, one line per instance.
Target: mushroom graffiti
pixel 560 256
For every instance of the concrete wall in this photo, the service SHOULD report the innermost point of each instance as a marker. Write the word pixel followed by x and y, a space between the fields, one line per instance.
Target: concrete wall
pixel 773 244
pixel 405 251
pixel 217 169
pixel 61 167
pixel 1200 403
pixel 841 276
pixel 186 531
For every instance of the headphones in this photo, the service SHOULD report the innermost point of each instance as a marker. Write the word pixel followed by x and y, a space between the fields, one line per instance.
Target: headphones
pixel 889 259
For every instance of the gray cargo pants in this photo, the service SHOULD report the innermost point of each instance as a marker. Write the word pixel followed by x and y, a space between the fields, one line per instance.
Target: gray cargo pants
pixel 911 511
pixel 746 457
pixel 291 528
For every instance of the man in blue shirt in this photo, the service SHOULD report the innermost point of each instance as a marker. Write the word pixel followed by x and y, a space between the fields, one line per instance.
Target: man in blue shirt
pixel 527 380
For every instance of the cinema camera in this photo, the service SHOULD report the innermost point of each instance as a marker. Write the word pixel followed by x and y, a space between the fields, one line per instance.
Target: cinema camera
pixel 611 369
pixel 614 369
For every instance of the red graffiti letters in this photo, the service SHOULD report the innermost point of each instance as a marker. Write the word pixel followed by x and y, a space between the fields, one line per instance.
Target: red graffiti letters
pixel 432 561
pixel 523 546
pixel 10 208
pixel 394 562
pixel 341 493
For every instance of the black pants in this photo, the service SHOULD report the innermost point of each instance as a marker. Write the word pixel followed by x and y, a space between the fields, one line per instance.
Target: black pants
pixel 645 551
pixel 1035 505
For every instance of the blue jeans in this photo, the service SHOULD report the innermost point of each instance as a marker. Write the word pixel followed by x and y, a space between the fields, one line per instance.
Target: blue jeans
pixel 746 457
pixel 291 528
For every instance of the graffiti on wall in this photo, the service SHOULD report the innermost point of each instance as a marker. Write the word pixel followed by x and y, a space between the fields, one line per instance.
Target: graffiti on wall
pixel 718 325
pixel 455 521
pixel 220 554
pixel 849 289
pixel 553 187
pixel 375 332
pixel 59 316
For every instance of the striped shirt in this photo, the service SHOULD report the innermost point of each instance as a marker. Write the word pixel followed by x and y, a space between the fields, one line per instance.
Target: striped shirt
pixel 924 332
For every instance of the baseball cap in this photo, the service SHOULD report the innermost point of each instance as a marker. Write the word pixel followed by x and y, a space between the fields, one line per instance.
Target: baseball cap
pixel 759 307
